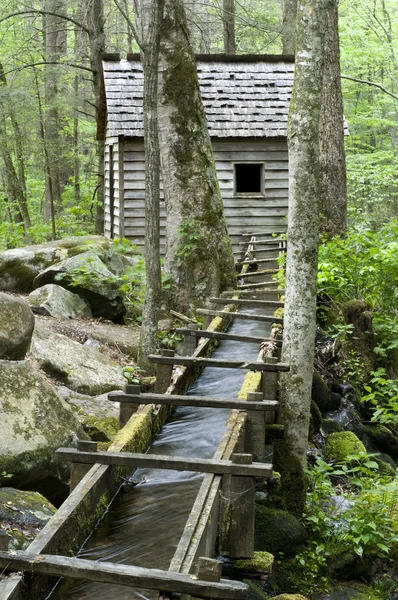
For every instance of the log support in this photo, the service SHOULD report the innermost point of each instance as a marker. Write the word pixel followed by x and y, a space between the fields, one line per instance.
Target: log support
pixel 255 430
pixel 79 470
pixel 127 410
pixel 164 373
pixel 241 499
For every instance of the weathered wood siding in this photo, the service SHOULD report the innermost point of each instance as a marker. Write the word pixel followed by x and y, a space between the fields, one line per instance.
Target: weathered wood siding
pixel 244 214
pixel 113 187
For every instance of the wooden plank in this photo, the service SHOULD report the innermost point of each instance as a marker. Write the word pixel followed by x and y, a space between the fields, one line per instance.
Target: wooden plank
pixel 256 286
pixel 248 302
pixel 215 362
pixel 274 241
pixel 257 261
pixel 244 316
pixel 159 461
pixel 200 333
pixel 108 572
pixel 256 234
pixel 203 401
pixel 263 292
pixel 258 273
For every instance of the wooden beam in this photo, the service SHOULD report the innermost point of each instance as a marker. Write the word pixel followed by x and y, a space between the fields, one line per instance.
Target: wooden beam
pixel 256 261
pixel 200 333
pixel 203 401
pixel 248 302
pixel 258 273
pixel 220 363
pixel 263 292
pixel 107 572
pixel 256 286
pixel 236 315
pixel 159 461
pixel 274 241
pixel 250 235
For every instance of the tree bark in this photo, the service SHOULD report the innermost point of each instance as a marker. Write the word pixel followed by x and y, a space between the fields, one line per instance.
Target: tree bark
pixel 199 256
pixel 55 48
pixel 96 26
pixel 229 26
pixel 333 194
pixel 289 18
pixel 151 12
pixel 302 253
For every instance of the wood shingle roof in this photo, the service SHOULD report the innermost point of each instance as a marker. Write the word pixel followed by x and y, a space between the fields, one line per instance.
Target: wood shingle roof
pixel 243 97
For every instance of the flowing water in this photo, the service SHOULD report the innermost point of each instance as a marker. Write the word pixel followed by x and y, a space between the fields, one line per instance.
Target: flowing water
pixel 143 525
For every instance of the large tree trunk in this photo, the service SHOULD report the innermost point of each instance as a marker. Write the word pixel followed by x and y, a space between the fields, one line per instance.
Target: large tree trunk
pixel 302 252
pixel 289 17
pixel 151 12
pixel 55 47
pixel 333 195
pixel 229 26
pixel 96 25
pixel 199 254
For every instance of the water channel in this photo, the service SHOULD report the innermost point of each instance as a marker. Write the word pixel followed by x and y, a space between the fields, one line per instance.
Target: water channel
pixel 143 525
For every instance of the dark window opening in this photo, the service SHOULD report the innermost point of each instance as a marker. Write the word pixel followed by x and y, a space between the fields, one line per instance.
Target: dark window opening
pixel 248 178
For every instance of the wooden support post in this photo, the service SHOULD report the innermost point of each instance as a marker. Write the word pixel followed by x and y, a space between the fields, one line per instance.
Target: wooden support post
pixel 209 569
pixel 206 321
pixel 189 342
pixel 255 430
pixel 163 373
pixel 127 410
pixel 4 540
pixel 270 387
pixel 241 531
pixel 79 470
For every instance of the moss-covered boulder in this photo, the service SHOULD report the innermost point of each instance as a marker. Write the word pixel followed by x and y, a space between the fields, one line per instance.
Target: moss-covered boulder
pixel 289 597
pixel 316 417
pixel 383 439
pixel 331 426
pixel 357 313
pixel 255 592
pixel 323 397
pixel 74 365
pixel 341 444
pixel 34 422
pixel 20 266
pixel 16 327
pixel 258 566
pixel 55 301
pixel 23 515
pixel 347 591
pixel 277 531
pixel 87 275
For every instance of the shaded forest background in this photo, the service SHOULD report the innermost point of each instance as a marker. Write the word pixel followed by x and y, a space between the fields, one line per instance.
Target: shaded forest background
pixel 50 181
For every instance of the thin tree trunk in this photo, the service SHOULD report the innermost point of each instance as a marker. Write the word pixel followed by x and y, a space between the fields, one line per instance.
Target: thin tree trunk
pixel 333 195
pixel 302 253
pixel 229 26
pixel 96 24
pixel 55 48
pixel 199 256
pixel 76 153
pixel 151 18
pixel 289 26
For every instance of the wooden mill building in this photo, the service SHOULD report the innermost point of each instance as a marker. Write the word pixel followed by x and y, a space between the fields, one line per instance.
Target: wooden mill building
pixel 246 100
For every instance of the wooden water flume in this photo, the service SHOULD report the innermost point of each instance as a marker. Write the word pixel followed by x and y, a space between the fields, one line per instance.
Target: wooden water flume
pixel 230 474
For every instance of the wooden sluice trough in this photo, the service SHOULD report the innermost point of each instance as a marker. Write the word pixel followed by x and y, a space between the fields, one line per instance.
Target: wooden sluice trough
pixel 96 478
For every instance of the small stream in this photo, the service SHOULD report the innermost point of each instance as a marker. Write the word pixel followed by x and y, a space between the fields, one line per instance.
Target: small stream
pixel 143 525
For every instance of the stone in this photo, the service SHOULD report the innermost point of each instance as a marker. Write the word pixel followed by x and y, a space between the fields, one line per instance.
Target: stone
pixel 384 440
pixel 95 283
pixel 316 417
pixel 16 327
pixel 98 416
pixel 255 592
pixel 80 369
pixel 278 531
pixel 357 313
pixel 57 302
pixel 341 444
pixel 165 324
pixel 23 515
pixel 331 426
pixel 322 396
pixel 260 565
pixel 20 266
pixel 35 421
pixel 346 591
pixel 289 597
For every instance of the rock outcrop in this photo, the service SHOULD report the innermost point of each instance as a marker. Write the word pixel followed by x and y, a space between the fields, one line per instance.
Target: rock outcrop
pixel 55 301
pixel 16 327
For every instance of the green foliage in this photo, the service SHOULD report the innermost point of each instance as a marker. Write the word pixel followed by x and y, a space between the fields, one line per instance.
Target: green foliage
pixel 133 374
pixel 382 394
pixel 189 238
pixel 3 477
pixel 169 339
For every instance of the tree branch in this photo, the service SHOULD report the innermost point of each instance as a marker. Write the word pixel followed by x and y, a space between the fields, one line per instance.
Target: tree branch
pixel 129 23
pixel 373 83
pixel 44 62
pixel 45 12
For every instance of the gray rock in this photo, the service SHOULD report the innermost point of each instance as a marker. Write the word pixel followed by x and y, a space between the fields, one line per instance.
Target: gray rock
pixel 278 531
pixel 322 396
pixel 92 344
pixel 23 515
pixel 383 439
pixel 79 368
pixel 20 266
pixel 34 422
pixel 16 327
pixel 59 303
pixel 348 591
pixel 97 284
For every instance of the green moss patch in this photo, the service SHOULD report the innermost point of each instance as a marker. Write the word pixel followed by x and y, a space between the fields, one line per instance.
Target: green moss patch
pixel 341 444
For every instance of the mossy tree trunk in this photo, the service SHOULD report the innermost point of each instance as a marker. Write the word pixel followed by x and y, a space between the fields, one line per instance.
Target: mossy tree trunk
pixel 199 256
pixel 302 253
pixel 229 26
pixel 150 13
pixel 333 196
pixel 289 15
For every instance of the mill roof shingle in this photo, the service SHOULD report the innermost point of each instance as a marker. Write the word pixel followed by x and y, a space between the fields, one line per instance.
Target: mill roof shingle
pixel 242 99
